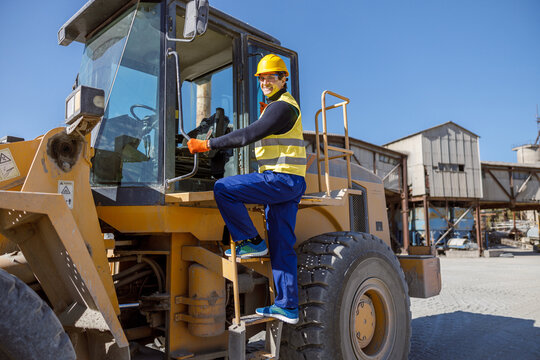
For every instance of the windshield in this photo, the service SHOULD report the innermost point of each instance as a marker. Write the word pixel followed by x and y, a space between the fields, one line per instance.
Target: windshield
pixel 124 60
pixel 102 54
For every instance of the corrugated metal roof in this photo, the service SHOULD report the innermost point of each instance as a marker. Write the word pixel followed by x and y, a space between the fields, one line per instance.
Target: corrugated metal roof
pixel 509 164
pixel 361 143
pixel 431 128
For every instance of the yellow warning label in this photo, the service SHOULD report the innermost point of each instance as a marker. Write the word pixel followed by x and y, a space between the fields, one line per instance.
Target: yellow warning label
pixel 8 168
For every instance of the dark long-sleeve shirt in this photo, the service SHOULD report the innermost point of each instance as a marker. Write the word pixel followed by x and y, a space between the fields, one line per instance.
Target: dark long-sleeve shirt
pixel 278 118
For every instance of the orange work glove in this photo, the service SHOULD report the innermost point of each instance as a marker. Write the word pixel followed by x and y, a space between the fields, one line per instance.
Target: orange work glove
pixel 197 146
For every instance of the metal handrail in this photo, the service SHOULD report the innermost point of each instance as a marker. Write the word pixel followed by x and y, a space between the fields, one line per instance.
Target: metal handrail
pixel 346 150
pixel 180 39
pixel 168 182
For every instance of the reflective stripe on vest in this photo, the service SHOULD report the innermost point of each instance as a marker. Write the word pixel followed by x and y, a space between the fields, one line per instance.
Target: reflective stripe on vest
pixel 284 153
pixel 282 160
pixel 277 141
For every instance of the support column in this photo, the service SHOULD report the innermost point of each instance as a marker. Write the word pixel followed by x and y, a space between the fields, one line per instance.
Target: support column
pixel 515 228
pixel 537 219
pixel 426 219
pixel 479 230
pixel 405 205
pixel 392 224
pixel 204 98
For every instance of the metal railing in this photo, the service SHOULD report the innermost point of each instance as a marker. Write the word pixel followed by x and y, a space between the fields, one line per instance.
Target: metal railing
pixel 168 182
pixel 346 152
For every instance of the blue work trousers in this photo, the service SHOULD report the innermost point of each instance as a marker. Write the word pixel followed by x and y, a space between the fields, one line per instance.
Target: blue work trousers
pixel 280 194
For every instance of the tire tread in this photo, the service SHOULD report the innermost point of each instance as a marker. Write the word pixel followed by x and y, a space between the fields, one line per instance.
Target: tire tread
pixel 321 260
pixel 29 328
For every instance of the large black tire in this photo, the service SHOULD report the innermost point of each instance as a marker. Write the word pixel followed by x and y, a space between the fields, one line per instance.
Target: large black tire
pixel 344 279
pixel 28 327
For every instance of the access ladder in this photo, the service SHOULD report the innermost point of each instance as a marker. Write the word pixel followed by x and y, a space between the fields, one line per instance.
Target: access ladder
pixel 237 331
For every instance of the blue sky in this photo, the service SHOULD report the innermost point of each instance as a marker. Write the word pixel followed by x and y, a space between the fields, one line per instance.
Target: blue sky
pixel 406 64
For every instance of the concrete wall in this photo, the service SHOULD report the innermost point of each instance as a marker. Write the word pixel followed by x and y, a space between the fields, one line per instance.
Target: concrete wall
pixel 412 146
pixel 528 154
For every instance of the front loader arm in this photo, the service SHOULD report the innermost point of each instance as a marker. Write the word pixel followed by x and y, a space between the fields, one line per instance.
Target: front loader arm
pixel 54 222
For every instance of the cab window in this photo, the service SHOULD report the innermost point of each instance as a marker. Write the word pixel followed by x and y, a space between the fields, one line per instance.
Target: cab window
pixel 208 107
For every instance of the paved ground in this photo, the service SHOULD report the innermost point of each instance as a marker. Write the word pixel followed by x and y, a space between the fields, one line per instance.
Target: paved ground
pixel 489 308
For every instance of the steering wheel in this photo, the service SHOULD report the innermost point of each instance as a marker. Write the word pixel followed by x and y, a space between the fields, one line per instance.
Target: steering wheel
pixel 133 107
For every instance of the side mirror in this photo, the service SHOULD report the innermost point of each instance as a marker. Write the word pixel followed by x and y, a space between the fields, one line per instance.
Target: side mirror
pixel 196 18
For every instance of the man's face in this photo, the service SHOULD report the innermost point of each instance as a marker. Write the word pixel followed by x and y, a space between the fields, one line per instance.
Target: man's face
pixel 271 84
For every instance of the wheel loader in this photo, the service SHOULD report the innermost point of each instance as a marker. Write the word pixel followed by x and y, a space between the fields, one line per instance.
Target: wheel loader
pixel 112 243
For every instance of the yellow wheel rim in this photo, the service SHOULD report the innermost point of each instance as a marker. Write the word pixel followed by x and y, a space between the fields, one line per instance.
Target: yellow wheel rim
pixel 371 318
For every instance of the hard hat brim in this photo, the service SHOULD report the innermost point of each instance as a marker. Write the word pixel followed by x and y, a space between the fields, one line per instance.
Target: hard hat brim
pixel 270 71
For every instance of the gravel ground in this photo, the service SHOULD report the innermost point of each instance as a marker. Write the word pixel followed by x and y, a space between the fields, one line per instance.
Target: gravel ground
pixel 489 308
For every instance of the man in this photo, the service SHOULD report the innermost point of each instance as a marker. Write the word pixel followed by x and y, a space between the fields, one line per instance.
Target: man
pixel 279 185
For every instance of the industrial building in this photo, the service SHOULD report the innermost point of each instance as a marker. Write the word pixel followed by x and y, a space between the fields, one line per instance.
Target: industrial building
pixel 444 177
pixel 439 169
pixel 443 162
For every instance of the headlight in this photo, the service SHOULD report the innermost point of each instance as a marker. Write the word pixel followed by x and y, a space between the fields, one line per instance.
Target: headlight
pixel 84 103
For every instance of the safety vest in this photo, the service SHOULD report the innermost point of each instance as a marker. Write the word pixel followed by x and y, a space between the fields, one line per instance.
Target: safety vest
pixel 284 153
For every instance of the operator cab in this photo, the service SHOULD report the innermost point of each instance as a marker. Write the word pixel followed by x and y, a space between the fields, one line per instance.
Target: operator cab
pixel 139 146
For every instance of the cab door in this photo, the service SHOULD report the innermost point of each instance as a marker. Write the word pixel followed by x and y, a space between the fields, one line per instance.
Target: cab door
pixel 254 49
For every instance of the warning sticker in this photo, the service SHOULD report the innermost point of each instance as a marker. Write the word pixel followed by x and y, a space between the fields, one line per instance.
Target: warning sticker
pixel 8 168
pixel 66 188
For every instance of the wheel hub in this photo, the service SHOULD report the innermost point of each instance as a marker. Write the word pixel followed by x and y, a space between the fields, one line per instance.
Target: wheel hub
pixel 364 320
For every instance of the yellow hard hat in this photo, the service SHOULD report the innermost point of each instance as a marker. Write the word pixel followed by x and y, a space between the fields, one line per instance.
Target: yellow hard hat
pixel 271 63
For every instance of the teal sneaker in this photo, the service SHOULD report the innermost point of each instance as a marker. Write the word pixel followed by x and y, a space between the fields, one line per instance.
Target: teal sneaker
pixel 286 315
pixel 247 249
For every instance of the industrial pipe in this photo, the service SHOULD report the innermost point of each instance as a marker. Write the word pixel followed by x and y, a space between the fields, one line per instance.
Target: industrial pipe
pixel 154 265
pixel 132 278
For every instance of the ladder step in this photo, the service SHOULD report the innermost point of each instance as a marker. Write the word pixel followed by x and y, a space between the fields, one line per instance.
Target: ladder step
pixel 333 157
pixel 343 150
pixel 253 259
pixel 254 319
